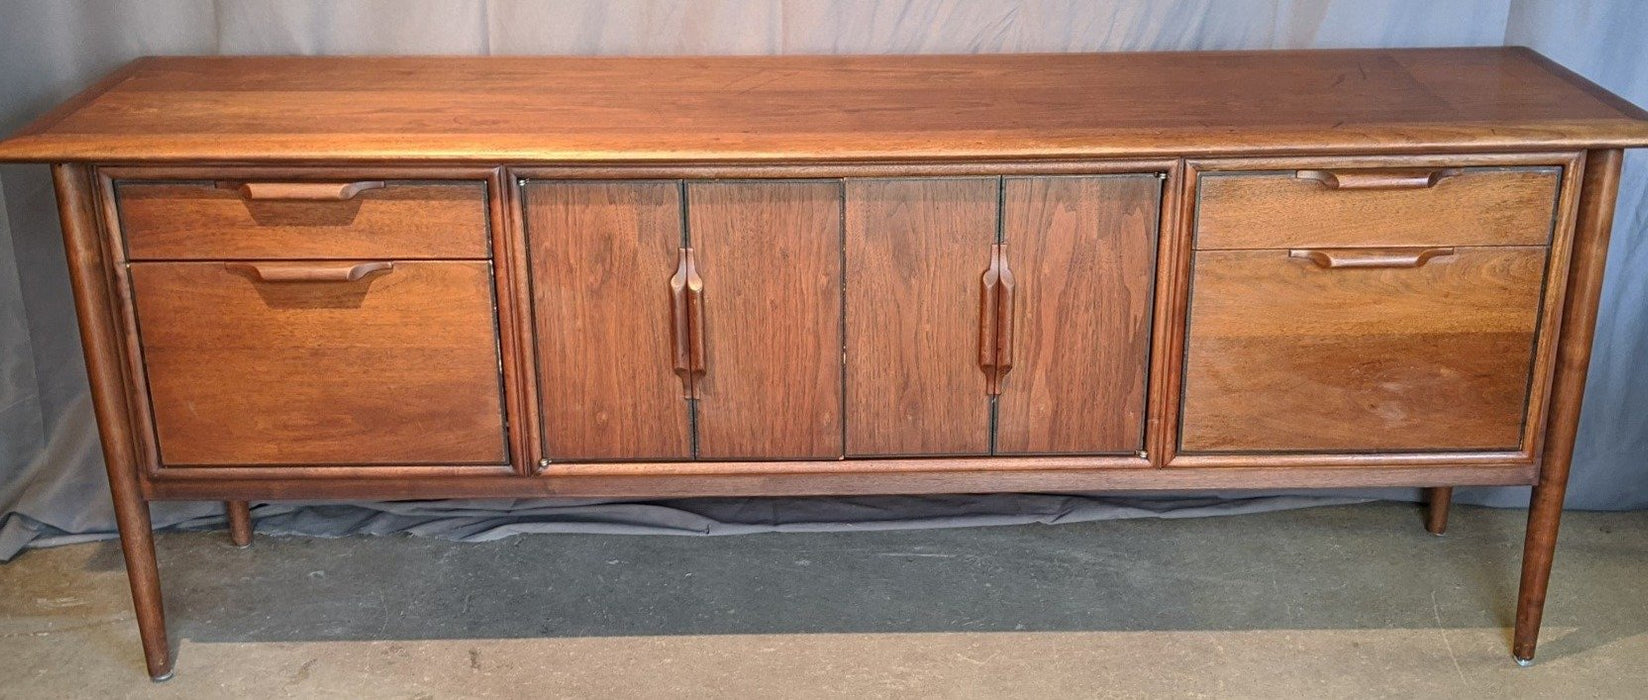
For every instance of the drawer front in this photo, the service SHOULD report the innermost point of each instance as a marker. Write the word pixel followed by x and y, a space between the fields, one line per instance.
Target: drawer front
pixel 1430 350
pixel 303 220
pixel 331 363
pixel 1376 207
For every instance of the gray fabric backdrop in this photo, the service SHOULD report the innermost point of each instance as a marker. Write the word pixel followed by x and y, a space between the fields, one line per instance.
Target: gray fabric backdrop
pixel 51 482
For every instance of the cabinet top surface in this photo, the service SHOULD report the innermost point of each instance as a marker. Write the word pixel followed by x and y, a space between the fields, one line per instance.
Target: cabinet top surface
pixel 828 108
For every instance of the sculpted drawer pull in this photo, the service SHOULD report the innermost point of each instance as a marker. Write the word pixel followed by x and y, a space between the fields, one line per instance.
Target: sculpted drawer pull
pixel 308 191
pixel 308 272
pixel 695 309
pixel 687 320
pixel 996 319
pixel 1380 178
pixel 1370 257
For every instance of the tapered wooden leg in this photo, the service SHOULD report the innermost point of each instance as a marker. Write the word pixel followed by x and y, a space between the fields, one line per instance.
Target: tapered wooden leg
pixel 1573 358
pixel 240 523
pixel 89 274
pixel 1437 501
pixel 142 571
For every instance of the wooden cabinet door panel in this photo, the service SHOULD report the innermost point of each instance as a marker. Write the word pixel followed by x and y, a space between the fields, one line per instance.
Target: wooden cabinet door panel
pixel 770 257
pixel 601 256
pixel 915 251
pixel 1082 250
pixel 1287 355
pixel 399 367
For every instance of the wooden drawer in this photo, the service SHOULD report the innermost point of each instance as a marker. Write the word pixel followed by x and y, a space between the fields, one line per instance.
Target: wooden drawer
pixel 298 364
pixel 303 220
pixel 1432 350
pixel 1376 207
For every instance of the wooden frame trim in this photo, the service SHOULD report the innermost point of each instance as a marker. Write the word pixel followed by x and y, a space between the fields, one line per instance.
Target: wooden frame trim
pixel 388 171
pixel 1331 160
pixel 1549 319
pixel 1172 300
pixel 841 483
pixel 510 265
pixel 849 169
pixel 131 351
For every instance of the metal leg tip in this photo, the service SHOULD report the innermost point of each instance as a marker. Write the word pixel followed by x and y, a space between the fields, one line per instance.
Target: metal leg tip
pixel 162 678
pixel 1523 662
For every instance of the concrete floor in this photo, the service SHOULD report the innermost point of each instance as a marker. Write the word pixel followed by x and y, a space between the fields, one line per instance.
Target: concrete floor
pixel 1337 601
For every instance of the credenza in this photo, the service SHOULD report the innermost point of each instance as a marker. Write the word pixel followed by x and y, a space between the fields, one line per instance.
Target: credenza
pixel 411 278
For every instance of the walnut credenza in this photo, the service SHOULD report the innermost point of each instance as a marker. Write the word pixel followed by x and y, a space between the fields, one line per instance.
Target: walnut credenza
pixel 396 278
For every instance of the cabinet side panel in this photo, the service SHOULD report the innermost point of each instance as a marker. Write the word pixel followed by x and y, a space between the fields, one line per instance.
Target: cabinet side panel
pixel 602 254
pixel 1082 250
pixel 915 251
pixel 770 257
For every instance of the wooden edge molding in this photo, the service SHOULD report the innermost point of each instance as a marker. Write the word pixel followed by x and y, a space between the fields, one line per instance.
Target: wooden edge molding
pixel 914 167
pixel 840 484
pixel 1432 160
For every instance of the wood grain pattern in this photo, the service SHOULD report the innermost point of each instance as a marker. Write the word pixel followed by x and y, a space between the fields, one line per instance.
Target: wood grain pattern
pixel 1286 355
pixel 400 368
pixel 201 221
pixel 770 256
pixel 1480 206
pixel 601 258
pixel 1083 249
pixel 571 109
pixel 915 252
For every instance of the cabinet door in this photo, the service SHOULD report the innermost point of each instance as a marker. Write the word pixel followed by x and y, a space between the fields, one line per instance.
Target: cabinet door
pixel 602 254
pixel 1082 252
pixel 915 251
pixel 350 363
pixel 769 254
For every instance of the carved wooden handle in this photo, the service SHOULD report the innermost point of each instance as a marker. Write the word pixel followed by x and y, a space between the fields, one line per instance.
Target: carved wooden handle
pixel 1370 257
pixel 695 320
pixel 1379 178
pixel 308 272
pixel 680 315
pixel 310 191
pixel 989 315
pixel 996 319
pixel 1004 315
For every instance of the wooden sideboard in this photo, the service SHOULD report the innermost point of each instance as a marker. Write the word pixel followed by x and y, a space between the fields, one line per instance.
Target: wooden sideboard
pixel 397 278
